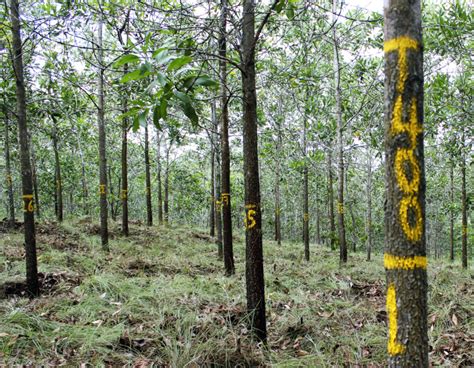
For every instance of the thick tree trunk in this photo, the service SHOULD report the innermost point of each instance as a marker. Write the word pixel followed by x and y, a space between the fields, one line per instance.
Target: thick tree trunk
pixel 369 206
pixel 57 166
pixel 340 147
pixel 405 246
pixel 26 174
pixel 332 225
pixel 451 211
pixel 253 239
pixel 149 210
pixel 9 180
pixel 464 205
pixel 212 209
pixel 124 165
pixel 225 150
pixel 104 232
pixel 158 175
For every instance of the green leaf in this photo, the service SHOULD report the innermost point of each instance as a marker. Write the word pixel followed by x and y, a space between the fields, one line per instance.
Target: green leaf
pixel 206 81
pixel 126 59
pixel 187 106
pixel 161 78
pixel 279 6
pixel 135 75
pixel 162 57
pixel 157 116
pixel 290 11
pixel 179 62
pixel 163 108
pixel 142 117
pixel 136 123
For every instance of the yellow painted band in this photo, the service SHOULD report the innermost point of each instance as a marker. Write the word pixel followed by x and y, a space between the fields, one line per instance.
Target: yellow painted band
pixel 27 196
pixel 392 262
pixel 400 43
pixel 393 346
pixel 413 233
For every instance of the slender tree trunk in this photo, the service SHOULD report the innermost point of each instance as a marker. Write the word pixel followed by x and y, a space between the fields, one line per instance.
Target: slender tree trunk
pixel 277 192
pixel 340 147
pixel 158 174
pixel 212 212
pixel 405 245
pixel 451 211
pixel 305 198
pixel 464 205
pixel 225 150
pixel 369 205
pixel 218 204
pixel 254 250
pixel 166 201
pixel 332 225
pixel 124 164
pixel 85 192
pixel 57 165
pixel 318 219
pixel 9 181
pixel 26 174
pixel 149 210
pixel 35 181
pixel 104 232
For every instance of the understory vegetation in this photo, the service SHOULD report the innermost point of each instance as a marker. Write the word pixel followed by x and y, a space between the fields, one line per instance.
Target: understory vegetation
pixel 159 298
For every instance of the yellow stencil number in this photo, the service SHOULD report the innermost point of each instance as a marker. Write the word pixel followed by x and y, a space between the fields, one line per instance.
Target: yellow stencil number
pixel 394 346
pixel 249 220
pixel 28 203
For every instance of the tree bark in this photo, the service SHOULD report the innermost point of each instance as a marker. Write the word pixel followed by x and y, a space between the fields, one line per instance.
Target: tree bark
pixel 26 174
pixel 340 147
pixel 253 239
pixel 124 164
pixel 149 210
pixel 166 201
pixel 464 204
pixel 8 179
pixel 35 182
pixel 332 225
pixel 369 205
pixel 277 189
pixel 305 197
pixel 104 232
pixel 158 174
pixel 451 211
pixel 405 243
pixel 58 179
pixel 212 208
pixel 225 150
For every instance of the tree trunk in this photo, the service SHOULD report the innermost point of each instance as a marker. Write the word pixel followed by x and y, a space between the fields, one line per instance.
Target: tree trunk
pixel 277 190
pixel 212 211
pixel 149 210
pixel 220 248
pixel 253 239
pixel 104 233
pixel 405 245
pixel 35 182
pixel 369 205
pixel 217 183
pixel 26 175
pixel 340 147
pixel 451 211
pixel 57 166
pixel 158 174
pixel 166 202
pixel 124 164
pixel 332 225
pixel 464 205
pixel 9 181
pixel 305 198
pixel 225 150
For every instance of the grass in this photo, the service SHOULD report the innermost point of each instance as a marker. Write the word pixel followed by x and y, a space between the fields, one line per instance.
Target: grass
pixel 159 298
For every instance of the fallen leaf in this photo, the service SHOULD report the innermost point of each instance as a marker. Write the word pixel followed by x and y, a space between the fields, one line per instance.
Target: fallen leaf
pixel 454 319
pixel 301 353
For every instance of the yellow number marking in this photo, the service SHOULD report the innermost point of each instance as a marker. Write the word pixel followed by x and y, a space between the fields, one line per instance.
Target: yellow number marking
pixel 225 198
pixel 394 347
pixel 340 207
pixel 249 220
pixel 28 203
pixel 9 179
pixel 123 194
pixel 102 189
pixel 306 217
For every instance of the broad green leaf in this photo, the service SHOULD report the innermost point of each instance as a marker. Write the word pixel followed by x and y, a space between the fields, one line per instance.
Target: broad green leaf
pixel 142 117
pixel 135 75
pixel 187 106
pixel 136 123
pixel 179 62
pixel 126 59
pixel 162 57
pixel 157 116
pixel 163 108
pixel 161 78
pixel 206 81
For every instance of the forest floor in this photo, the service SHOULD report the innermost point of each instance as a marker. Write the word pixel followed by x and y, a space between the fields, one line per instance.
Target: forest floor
pixel 159 298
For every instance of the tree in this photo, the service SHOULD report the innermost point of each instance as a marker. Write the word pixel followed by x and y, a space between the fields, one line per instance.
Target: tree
pixel 405 250
pixel 26 174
